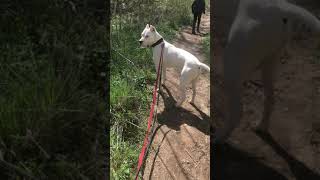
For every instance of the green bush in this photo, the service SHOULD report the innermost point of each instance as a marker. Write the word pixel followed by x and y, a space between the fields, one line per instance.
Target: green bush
pixel 206 47
pixel 52 110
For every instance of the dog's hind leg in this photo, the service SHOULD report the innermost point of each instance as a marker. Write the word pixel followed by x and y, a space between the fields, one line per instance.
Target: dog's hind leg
pixel 187 75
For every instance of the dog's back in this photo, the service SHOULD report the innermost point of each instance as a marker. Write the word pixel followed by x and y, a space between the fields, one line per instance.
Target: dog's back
pixel 262 28
pixel 177 57
pixel 257 28
pixel 225 12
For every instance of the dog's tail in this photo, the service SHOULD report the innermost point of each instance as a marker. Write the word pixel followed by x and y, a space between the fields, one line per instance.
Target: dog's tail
pixel 204 66
pixel 303 16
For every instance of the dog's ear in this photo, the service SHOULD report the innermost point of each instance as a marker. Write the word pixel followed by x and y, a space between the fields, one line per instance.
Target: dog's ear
pixel 152 28
pixel 147 26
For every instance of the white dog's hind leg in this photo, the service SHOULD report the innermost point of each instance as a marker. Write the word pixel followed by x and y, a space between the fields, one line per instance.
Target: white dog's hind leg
pixel 187 75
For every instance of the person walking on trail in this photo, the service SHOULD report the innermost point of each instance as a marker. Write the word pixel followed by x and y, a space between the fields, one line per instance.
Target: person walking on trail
pixel 198 7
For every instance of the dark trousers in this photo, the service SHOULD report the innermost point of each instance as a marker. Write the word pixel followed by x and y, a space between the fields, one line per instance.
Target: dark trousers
pixel 195 17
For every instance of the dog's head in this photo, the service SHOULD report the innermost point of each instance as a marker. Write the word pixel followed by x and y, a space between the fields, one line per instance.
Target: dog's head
pixel 149 36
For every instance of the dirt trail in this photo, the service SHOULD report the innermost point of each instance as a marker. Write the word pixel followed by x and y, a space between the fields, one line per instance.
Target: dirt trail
pixel 181 147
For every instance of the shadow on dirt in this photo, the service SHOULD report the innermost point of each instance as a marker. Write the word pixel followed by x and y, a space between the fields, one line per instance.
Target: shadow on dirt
pixel 298 169
pixel 156 154
pixel 174 117
pixel 232 163
pixel 156 149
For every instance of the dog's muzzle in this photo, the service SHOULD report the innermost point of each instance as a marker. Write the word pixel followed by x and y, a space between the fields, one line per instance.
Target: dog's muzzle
pixel 140 42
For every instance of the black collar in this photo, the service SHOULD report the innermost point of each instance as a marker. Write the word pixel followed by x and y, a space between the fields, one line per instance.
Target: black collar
pixel 157 43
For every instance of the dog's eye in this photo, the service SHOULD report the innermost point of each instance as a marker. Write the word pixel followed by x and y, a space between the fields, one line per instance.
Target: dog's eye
pixel 147 36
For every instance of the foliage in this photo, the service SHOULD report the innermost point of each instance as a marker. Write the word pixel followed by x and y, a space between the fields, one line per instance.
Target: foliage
pixel 206 47
pixel 52 109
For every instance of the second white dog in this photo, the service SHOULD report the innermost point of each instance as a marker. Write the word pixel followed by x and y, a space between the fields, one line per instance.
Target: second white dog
pixel 186 63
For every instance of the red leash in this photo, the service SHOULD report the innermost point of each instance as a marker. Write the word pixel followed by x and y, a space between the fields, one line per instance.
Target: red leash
pixel 145 142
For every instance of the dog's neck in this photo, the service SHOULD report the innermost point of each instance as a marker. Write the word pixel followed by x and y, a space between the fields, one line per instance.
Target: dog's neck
pixel 157 43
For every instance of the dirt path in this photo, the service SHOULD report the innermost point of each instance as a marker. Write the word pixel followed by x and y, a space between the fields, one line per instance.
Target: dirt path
pixel 181 147
pixel 294 151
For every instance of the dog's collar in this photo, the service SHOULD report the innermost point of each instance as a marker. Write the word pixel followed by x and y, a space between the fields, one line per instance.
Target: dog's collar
pixel 157 43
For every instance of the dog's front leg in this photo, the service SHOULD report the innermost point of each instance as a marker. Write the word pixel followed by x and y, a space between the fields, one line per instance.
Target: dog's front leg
pixel 233 115
pixel 233 90
pixel 182 89
pixel 267 78
pixel 159 83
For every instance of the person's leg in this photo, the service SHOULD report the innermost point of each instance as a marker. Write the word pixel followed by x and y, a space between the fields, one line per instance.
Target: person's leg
pixel 194 23
pixel 199 20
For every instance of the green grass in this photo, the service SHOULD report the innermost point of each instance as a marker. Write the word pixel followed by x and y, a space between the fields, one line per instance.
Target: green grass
pixel 51 108
pixel 122 165
pixel 206 47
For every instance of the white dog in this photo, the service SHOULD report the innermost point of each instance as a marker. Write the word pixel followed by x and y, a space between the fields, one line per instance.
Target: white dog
pixel 258 35
pixel 186 63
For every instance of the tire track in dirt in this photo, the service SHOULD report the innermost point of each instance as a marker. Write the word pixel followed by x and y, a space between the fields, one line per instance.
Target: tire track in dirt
pixel 181 147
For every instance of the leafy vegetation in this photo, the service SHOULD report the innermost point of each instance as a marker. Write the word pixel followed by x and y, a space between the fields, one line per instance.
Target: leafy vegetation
pixel 206 47
pixel 133 73
pixel 52 110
